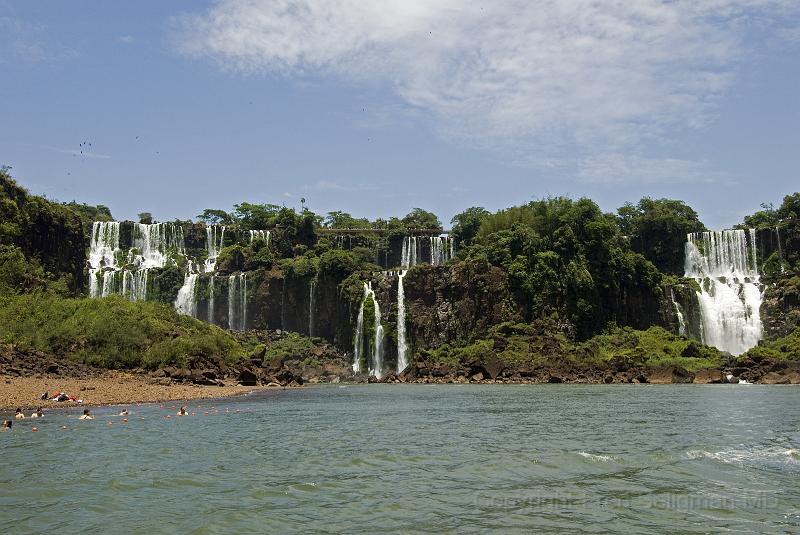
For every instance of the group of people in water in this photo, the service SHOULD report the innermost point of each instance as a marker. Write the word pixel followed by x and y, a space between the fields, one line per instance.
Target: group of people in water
pixel 87 415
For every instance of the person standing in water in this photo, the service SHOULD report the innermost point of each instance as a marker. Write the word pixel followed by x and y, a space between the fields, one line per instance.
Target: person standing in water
pixel 86 415
pixel 38 413
pixel 6 425
pixel 19 415
pixel 183 412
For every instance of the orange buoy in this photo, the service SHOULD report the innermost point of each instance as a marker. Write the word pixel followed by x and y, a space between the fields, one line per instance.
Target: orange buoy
pixel 124 420
pixel 34 429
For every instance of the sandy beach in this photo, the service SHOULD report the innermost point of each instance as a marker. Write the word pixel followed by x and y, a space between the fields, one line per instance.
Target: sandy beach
pixel 111 388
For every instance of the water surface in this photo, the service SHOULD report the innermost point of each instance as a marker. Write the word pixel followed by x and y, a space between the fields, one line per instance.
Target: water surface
pixel 418 458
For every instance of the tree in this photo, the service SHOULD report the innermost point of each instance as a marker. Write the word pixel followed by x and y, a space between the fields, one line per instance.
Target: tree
pixel 256 216
pixel 421 219
pixel 211 216
pixel 467 223
pixel 657 229
pixel 146 218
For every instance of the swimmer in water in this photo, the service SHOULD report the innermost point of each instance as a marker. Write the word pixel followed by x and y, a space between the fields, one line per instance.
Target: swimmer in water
pixel 124 412
pixel 18 415
pixel 38 413
pixel 86 415
pixel 6 425
pixel 183 412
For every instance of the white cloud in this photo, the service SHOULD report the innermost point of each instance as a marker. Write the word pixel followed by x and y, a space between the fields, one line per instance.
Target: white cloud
pixel 29 43
pixel 621 168
pixel 537 79
pixel 126 39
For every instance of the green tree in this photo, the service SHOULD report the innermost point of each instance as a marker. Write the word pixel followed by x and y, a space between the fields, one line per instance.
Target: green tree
pixel 467 224
pixel 421 219
pixel 145 218
pixel 657 229
pixel 211 216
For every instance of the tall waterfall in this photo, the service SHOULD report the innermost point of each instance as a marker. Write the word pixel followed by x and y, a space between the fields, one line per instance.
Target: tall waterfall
pixel 186 302
pixel 409 252
pixel 402 359
pixel 724 264
pixel 211 299
pixel 375 366
pixel 237 302
pixel 213 246
pixel 678 313
pixel 441 249
pixel 377 346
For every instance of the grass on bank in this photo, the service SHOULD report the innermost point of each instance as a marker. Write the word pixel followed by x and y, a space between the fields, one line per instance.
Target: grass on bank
pixel 111 332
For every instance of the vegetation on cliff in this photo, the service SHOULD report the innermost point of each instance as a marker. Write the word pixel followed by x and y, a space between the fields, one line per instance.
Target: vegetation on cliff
pixel 111 332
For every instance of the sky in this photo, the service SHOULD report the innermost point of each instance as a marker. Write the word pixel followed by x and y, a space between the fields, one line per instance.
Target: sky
pixel 375 108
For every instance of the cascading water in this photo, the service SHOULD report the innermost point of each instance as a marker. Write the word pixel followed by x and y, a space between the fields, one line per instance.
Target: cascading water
pixel 155 242
pixel 679 314
pixel 402 359
pixel 213 246
pixel 186 302
pixel 442 249
pixel 409 252
pixel 725 266
pixel 377 346
pixel 376 365
pixel 237 301
pixel 112 272
pixel 211 299
pixel 263 235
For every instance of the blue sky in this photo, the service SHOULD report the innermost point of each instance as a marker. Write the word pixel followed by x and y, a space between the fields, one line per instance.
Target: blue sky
pixel 376 108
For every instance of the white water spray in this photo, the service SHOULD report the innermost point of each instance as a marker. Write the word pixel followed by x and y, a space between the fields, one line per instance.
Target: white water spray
pixel 402 359
pixel 725 266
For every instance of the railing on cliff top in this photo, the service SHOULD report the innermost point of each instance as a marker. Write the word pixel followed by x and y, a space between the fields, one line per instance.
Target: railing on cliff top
pixel 383 232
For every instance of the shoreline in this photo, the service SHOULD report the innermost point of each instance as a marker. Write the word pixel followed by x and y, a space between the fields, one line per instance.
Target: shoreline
pixel 109 388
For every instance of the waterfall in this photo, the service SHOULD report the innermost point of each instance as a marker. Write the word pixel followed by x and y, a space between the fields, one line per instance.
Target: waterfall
pixel 377 346
pixel 780 249
pixel 358 351
pixel 213 246
pixel 311 288
pixel 263 235
pixel 126 274
pixel 725 266
pixel 186 302
pixel 409 252
pixel 211 299
pixel 155 242
pixel 237 302
pixel 402 359
pixel 376 365
pixel 678 313
pixel 442 249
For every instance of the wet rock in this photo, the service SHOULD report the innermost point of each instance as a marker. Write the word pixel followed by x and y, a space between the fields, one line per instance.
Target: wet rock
pixel 775 378
pixel 709 376
pixel 670 375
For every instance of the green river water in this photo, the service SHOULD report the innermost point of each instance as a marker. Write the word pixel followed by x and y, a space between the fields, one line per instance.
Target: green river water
pixel 418 458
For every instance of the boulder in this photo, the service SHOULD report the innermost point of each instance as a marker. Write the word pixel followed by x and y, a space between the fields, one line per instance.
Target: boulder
pixel 709 376
pixel 247 377
pixel 776 378
pixel 670 375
